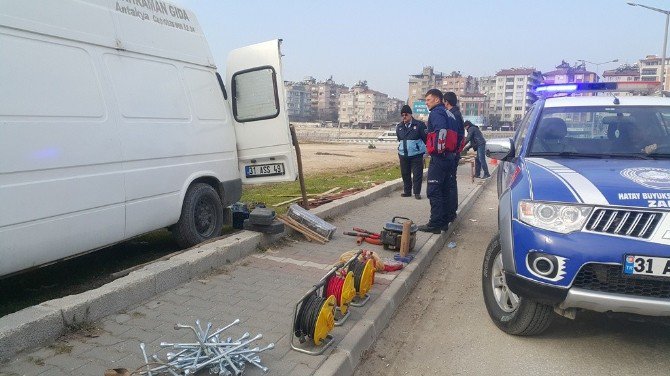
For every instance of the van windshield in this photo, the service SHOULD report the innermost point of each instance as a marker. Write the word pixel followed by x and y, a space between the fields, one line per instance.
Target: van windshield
pixel 603 132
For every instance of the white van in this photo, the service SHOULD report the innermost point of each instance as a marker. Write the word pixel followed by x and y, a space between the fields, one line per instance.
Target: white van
pixel 114 122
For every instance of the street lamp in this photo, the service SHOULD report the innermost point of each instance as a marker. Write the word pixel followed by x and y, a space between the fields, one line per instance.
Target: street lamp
pixel 599 64
pixel 665 39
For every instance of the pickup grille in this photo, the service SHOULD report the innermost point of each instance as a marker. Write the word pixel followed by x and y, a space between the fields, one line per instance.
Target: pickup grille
pixel 633 223
pixel 609 278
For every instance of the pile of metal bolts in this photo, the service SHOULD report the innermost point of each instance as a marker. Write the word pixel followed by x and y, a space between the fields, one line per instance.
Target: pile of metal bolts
pixel 222 357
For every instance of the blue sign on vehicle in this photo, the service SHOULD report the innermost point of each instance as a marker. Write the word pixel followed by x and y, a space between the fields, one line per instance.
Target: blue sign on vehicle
pixel 419 108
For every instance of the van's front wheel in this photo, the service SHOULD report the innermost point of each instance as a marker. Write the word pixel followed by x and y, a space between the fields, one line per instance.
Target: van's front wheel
pixel 201 216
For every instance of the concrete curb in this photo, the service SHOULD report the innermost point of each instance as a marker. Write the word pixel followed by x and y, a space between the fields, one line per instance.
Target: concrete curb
pixel 41 324
pixel 346 356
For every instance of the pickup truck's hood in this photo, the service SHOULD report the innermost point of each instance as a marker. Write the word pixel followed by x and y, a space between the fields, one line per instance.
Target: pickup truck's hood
pixel 617 182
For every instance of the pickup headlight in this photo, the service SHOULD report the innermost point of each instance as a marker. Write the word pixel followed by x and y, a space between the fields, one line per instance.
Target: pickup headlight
pixel 563 218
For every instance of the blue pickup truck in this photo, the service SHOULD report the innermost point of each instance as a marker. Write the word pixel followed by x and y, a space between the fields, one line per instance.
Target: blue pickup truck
pixel 584 209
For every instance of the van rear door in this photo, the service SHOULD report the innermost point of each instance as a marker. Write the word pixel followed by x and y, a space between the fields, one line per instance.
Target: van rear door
pixel 258 102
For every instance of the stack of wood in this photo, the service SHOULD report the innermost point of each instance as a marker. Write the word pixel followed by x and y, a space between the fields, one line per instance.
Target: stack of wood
pixel 315 197
pixel 308 233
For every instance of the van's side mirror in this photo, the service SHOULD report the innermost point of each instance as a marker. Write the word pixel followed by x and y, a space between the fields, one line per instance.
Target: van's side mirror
pixel 501 149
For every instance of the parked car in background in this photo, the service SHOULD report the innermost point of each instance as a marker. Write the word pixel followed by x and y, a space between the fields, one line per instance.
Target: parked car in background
pixel 583 216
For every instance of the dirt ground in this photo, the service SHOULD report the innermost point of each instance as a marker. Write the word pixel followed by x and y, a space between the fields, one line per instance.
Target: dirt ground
pixel 345 157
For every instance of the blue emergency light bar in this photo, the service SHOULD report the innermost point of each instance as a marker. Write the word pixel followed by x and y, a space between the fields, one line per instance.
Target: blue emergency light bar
pixel 578 87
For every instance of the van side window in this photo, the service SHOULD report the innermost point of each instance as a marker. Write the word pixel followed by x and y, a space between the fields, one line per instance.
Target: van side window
pixel 147 89
pixel 206 95
pixel 43 91
pixel 255 95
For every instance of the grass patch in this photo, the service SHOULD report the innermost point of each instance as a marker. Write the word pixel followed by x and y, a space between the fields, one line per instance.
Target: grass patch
pixel 318 183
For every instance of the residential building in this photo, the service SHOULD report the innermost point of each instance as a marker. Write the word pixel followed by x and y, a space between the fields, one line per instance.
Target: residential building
pixel 327 99
pixel 565 73
pixel 457 83
pixel 298 103
pixel 509 94
pixel 394 106
pixel 624 73
pixel 650 69
pixel 362 107
pixel 420 83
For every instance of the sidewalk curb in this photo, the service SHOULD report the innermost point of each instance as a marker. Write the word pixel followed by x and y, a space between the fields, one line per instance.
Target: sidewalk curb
pixel 41 324
pixel 344 359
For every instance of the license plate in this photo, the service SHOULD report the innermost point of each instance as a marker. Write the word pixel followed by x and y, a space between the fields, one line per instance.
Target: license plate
pixel 646 265
pixel 255 171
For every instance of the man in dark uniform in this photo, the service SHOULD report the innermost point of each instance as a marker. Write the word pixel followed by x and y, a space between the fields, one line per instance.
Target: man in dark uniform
pixel 441 144
pixel 477 142
pixel 451 103
pixel 411 148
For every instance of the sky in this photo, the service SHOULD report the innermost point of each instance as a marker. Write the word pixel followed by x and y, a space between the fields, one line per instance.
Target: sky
pixel 384 42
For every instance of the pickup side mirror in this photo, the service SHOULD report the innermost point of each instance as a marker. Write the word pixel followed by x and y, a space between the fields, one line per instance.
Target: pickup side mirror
pixel 501 149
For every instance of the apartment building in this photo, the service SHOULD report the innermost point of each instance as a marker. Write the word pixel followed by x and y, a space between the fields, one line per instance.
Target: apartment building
pixel 362 107
pixel 509 93
pixel 298 101
pixel 565 73
pixel 457 83
pixel 420 83
pixel 650 70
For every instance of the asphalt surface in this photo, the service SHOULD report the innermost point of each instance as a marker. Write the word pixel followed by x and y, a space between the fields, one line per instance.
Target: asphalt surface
pixel 442 328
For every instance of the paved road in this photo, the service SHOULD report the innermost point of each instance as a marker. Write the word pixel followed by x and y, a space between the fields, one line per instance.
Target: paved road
pixel 443 328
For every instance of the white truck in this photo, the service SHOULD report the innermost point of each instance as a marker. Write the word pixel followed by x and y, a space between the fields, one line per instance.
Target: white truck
pixel 114 122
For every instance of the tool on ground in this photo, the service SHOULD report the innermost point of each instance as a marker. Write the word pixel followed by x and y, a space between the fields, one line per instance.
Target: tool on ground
pixel 360 240
pixel 406 259
pixel 314 314
pixel 364 231
pixel 209 350
pixel 361 234
pixel 391 235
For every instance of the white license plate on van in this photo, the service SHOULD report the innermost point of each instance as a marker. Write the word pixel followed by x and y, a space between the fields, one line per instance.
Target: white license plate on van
pixel 646 265
pixel 255 171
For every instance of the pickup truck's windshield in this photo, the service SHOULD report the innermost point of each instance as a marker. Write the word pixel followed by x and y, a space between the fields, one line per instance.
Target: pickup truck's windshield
pixel 592 132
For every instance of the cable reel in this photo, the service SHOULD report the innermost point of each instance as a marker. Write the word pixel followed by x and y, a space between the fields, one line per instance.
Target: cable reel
pixel 316 318
pixel 364 276
pixel 342 287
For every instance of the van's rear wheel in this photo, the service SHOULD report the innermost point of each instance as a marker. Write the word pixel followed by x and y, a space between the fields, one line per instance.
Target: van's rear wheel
pixel 201 216
pixel 511 313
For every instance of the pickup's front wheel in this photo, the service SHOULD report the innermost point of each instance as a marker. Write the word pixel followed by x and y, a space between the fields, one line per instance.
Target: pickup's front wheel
pixel 511 313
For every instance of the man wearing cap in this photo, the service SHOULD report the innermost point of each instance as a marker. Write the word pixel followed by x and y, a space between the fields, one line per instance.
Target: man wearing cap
pixel 411 148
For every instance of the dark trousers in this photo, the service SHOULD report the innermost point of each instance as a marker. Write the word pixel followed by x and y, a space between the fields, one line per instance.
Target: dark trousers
pixel 452 190
pixel 480 161
pixel 411 170
pixel 440 171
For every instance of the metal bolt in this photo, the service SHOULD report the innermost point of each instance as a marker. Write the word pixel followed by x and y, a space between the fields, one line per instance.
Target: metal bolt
pixel 146 360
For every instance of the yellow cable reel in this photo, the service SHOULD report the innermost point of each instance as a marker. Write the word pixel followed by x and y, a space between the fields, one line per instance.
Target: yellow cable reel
pixel 367 278
pixel 348 292
pixel 325 322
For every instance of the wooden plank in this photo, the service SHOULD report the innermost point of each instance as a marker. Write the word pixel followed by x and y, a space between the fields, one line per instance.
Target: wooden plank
pixel 404 238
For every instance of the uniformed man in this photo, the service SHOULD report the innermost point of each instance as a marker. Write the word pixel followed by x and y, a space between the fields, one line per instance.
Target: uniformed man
pixel 442 145
pixel 411 148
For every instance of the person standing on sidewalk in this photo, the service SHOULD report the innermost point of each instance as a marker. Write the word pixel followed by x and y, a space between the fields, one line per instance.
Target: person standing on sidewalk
pixel 451 103
pixel 477 142
pixel 442 145
pixel 411 148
